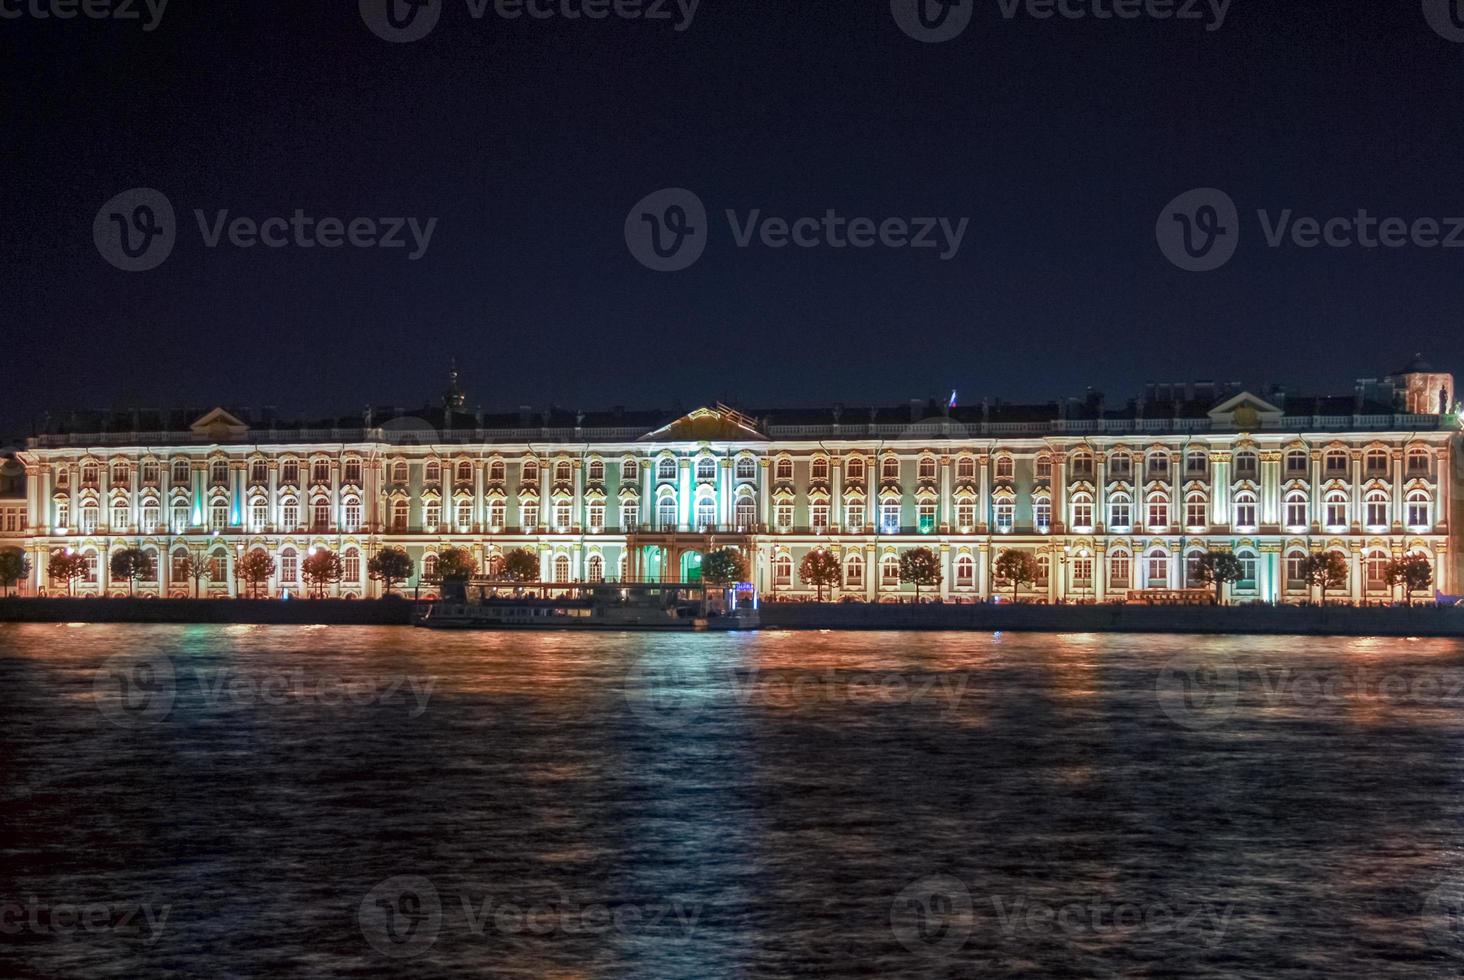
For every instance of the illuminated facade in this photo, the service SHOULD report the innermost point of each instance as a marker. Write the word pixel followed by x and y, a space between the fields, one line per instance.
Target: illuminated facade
pixel 1112 503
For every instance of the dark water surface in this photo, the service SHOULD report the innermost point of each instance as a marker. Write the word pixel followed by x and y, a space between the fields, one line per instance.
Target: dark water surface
pixel 251 801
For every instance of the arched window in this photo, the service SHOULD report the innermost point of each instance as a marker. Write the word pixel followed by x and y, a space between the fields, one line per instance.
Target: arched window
pixel 746 468
pixel 820 468
pixel 666 512
pixel 1247 561
pixel 706 513
pixel 854 571
pixel 218 567
pixel 855 468
pixel 429 568
pixel 1296 462
pixel 966 468
pixel 290 472
pixel 1042 467
pixel 1377 510
pixel 151 516
pixel 496 471
pixel 1082 511
pixel 120 514
pixel 320 472
pixel 595 569
pixel 1158 465
pixel 119 474
pixel 351 514
pixel 1157 515
pixel 630 471
pixel 1083 464
pixel 320 513
pixel 629 514
pixel 1004 467
pixel 1335 462
pixel 1296 569
pixel 91 566
pixel 927 468
pixel 258 472
pixel 90 515
pixel 1375 564
pixel 399 515
pixel 1417 462
pixel 1196 462
pixel 1120 570
pixel 289 566
pixel 890 468
pixel 530 471
pixel 783 469
pixel 965 572
pixel 1418 510
pixel 352 472
pixel 1336 509
pixel 465 471
pixel 1245 510
pixel 889 571
pixel 706 468
pixel 1120 511
pixel 666 469
pixel 1157 569
pixel 464 513
pixel 1044 569
pixel 746 512
pixel 561 568
pixel 1247 466
pixel 180 473
pixel 351 565
pixel 218 513
pixel 1194 511
pixel 218 472
pixel 596 471
pixel 1376 462
pixel 563 471
pixel 1296 510
pixel 433 472
pixel 1042 512
pixel 782 570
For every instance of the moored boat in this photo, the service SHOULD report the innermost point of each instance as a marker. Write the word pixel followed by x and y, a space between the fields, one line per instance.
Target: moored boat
pixel 657 606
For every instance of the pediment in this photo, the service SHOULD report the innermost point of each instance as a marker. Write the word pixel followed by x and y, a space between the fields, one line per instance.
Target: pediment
pixel 1246 411
pixel 720 424
pixel 220 424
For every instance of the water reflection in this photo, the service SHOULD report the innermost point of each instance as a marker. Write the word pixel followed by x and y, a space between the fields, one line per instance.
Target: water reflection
pixel 607 805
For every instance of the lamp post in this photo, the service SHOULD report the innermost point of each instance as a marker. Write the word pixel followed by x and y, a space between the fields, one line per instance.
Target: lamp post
pixel 1062 582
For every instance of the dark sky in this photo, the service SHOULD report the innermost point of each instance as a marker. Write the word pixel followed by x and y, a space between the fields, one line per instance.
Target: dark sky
pixel 1061 141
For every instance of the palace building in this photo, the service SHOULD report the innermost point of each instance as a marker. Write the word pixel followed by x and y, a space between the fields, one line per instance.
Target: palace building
pixel 1112 501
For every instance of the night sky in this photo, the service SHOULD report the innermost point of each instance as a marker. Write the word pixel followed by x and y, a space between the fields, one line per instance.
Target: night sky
pixel 530 140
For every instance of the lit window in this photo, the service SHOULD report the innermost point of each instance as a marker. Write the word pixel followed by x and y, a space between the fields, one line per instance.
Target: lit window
pixel 890 469
pixel 1118 511
pixel 927 468
pixel 1418 510
pixel 856 517
pixel 706 469
pixel 854 572
pixel 666 469
pixel 889 517
pixel 746 468
pixel 1245 510
pixel 1004 467
pixel 1003 513
pixel 819 515
pixel 783 469
pixel 820 469
pixel 1042 514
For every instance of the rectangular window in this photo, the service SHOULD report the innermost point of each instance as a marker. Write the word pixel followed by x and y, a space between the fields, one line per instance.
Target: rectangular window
pixel 1083 514
pixel 965 515
pixel 353 471
pixel 889 517
pixel 1118 572
pixel 218 514
pixel 530 514
pixel 1336 513
pixel 1042 514
pixel 1083 571
pixel 353 516
pixel 1417 513
pixel 1003 512
pixel 1158 514
pixel 819 514
pixel 1245 513
pixel 1296 513
pixel 856 517
pixel 433 516
pixel 1118 514
pixel 562 510
pixel 464 514
pixel 289 568
pixel 1377 513
pixel 783 514
pixel 1194 513
pixel 629 516
pixel 321 515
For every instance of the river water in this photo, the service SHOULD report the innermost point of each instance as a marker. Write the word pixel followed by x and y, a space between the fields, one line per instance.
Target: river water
pixel 247 801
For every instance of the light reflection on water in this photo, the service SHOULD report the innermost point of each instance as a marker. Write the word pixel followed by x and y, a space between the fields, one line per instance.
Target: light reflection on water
pixel 875 804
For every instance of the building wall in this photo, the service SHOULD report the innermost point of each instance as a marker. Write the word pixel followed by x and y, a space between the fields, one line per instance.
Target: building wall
pixel 1370 495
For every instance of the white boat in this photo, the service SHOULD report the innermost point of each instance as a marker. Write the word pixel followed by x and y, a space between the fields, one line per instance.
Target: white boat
pixel 658 606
